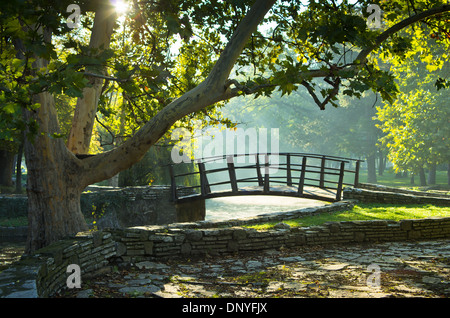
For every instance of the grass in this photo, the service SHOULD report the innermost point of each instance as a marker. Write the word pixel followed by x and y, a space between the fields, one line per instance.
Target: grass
pixel 17 221
pixel 388 179
pixel 363 212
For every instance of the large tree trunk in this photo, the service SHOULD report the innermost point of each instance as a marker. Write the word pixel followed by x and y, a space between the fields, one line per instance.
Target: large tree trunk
pixel 53 186
pixel 54 173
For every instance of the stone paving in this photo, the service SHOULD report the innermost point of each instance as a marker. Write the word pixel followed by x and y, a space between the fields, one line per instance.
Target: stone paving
pixel 393 269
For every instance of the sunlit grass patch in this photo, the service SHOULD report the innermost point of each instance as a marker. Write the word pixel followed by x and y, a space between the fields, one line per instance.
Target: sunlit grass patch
pixel 363 212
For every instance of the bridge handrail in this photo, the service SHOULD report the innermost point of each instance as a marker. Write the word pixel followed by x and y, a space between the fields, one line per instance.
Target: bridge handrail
pixel 322 170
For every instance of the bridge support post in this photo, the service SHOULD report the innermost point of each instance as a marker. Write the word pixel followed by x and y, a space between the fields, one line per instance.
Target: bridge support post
pixel 288 170
pixel 232 174
pixel 173 184
pixel 258 171
pixel 341 180
pixel 357 163
pixel 322 173
pixel 204 185
pixel 266 173
pixel 301 183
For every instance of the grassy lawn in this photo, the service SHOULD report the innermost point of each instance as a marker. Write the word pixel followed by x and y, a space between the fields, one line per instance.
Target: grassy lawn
pixel 18 221
pixel 366 212
pixel 388 179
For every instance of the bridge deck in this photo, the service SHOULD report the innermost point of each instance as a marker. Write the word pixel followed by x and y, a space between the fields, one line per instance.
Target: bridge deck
pixel 314 193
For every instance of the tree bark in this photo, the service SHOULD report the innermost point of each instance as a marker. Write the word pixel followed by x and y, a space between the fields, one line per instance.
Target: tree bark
pixel 422 177
pixel 381 162
pixel 371 169
pixel 53 185
pixel 19 169
pixel 448 173
pixel 6 168
pixel 84 117
pixel 432 174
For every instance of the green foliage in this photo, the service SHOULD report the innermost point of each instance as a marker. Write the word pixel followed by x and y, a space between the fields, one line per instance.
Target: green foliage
pixel 416 124
pixel 162 49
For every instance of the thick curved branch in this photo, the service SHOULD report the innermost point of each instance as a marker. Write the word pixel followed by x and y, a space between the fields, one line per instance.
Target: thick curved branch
pixel 335 72
pixel 212 90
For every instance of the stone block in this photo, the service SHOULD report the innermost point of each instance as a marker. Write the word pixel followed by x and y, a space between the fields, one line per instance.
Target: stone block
pixel 413 234
pixel 239 234
pixel 186 249
pixel 406 225
pixel 359 236
pixel 148 248
pixel 193 235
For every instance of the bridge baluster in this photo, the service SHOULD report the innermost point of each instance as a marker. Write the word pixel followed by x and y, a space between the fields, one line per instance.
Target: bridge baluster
pixel 302 177
pixel 356 173
pixel 288 171
pixel 341 180
pixel 173 184
pixel 258 171
pixel 204 184
pixel 232 173
pixel 322 173
pixel 266 173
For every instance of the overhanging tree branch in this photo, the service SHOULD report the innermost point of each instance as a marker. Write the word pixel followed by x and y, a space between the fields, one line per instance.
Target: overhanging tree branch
pixel 335 71
pixel 212 90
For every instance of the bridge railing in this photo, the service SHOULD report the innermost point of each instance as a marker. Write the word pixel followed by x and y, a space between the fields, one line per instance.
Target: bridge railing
pixel 297 170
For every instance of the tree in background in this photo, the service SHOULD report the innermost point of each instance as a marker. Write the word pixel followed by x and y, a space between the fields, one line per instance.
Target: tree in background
pixel 224 34
pixel 417 123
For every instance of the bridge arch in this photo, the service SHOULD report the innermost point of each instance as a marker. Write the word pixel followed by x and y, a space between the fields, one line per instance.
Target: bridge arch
pixel 302 175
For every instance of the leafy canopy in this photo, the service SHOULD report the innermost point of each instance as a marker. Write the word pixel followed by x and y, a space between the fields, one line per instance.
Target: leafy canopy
pixel 162 49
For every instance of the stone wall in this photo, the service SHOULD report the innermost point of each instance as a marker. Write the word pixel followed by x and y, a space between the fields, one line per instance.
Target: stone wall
pixel 45 273
pixel 379 187
pixel 138 243
pixel 383 195
pixel 122 207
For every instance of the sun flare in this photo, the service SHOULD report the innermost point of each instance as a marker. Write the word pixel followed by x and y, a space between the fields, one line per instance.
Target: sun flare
pixel 121 6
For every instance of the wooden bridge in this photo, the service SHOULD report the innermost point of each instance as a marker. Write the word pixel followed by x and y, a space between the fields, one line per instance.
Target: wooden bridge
pixel 311 176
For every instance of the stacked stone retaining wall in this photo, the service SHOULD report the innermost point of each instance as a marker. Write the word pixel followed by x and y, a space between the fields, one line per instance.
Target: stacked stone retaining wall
pixel 45 273
pixel 385 195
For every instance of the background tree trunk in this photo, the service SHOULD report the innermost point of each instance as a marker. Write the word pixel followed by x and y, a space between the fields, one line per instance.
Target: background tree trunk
pixel 448 174
pixel 432 174
pixel 371 169
pixel 6 168
pixel 422 176
pixel 19 169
